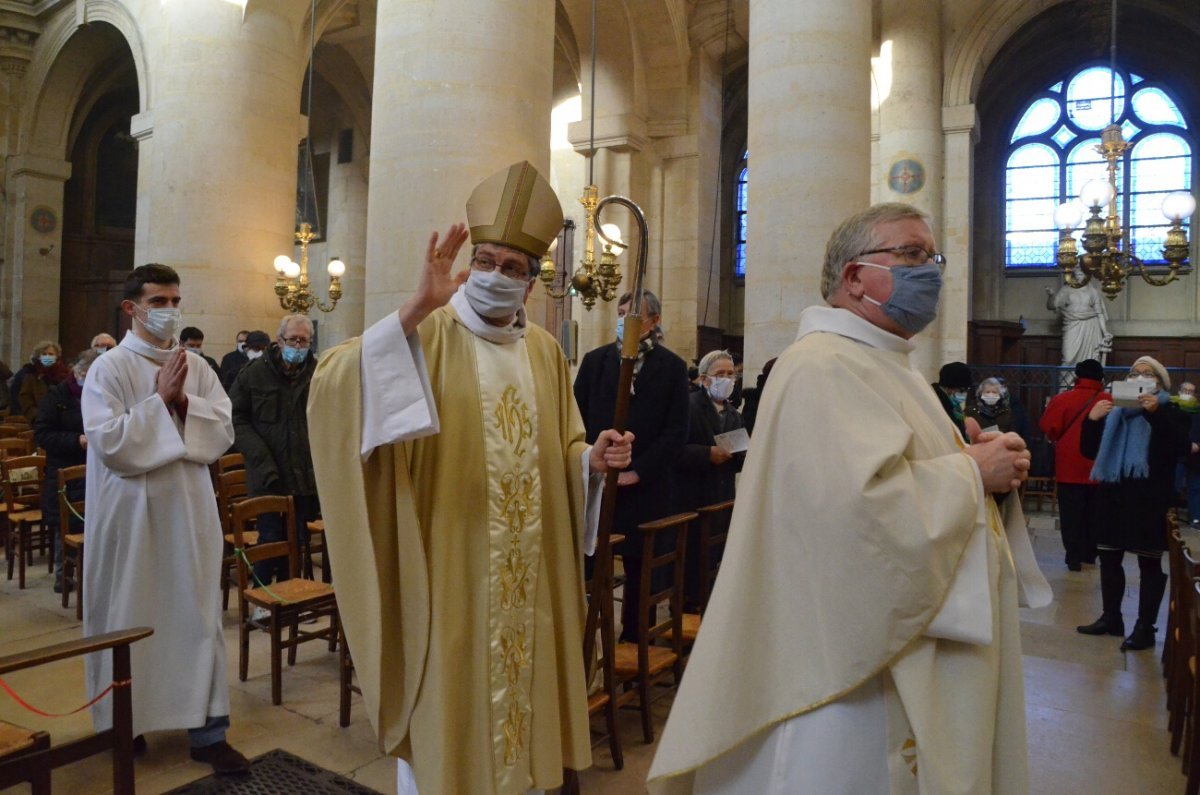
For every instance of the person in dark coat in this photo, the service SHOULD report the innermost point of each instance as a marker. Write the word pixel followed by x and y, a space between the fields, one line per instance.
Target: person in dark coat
pixel 1062 422
pixel 706 472
pixel 58 429
pixel 192 338
pixel 754 394
pixel 1187 403
pixel 954 379
pixel 270 423
pixel 234 361
pixel 46 370
pixel 1135 451
pixel 658 419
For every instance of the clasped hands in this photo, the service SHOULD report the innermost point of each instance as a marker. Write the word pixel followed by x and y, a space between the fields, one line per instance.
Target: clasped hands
pixel 1003 460
pixel 170 380
pixel 612 450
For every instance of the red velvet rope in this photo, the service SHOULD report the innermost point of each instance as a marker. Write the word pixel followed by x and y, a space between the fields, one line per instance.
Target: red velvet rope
pixel 36 711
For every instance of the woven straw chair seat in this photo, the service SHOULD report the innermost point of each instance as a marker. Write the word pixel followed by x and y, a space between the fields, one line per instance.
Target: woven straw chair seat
pixel 14 739
pixel 625 660
pixel 250 536
pixel 73 539
pixel 297 590
pixel 691 628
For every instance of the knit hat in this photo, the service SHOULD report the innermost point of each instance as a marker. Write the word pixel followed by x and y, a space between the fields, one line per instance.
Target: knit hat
pixel 955 375
pixel 1163 379
pixel 1090 368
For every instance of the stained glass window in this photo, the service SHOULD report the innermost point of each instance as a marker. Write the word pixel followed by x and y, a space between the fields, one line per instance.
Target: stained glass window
pixel 739 218
pixel 1052 155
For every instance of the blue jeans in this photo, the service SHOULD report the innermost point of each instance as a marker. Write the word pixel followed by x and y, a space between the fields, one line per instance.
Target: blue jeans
pixel 211 733
pixel 271 527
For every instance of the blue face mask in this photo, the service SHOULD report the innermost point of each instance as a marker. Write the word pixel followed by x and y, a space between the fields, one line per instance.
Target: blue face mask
pixel 47 360
pixel 294 355
pixel 620 330
pixel 915 291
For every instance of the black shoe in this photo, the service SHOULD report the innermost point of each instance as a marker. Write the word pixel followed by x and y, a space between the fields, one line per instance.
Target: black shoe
pixel 139 745
pixel 1074 565
pixel 1104 625
pixel 224 759
pixel 1141 638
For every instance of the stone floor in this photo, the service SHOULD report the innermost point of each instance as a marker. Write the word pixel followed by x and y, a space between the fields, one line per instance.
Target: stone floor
pixel 1096 716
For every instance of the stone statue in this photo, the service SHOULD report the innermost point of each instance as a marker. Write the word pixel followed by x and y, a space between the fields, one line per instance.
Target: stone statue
pixel 1084 320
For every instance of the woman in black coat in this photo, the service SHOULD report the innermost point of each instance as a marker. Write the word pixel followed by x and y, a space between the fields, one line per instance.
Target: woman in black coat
pixel 705 472
pixel 1135 452
pixel 58 429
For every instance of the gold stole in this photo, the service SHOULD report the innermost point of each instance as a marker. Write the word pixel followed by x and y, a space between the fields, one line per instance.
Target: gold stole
pixel 514 523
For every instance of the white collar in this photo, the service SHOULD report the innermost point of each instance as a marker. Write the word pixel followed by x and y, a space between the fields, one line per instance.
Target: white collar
pixel 475 323
pixel 845 323
pixel 142 348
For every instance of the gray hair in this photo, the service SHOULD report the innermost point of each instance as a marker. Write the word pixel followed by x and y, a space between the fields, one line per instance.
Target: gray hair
pixel 711 358
pixel 985 383
pixel 84 360
pixel 653 305
pixel 287 320
pixel 857 234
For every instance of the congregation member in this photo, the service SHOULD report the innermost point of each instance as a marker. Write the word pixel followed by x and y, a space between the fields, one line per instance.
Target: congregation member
pixel 1062 421
pixel 951 388
pixel 705 472
pixel 992 408
pixel 45 371
pixel 192 338
pixel 155 418
pixel 1135 450
pixel 868 568
pixel 658 419
pixel 1187 403
pixel 103 343
pixel 234 361
pixel 58 429
pixel 270 423
pixel 454 477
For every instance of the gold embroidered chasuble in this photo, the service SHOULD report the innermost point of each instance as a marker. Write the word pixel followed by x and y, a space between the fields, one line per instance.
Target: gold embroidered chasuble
pixel 459 561
pixel 856 513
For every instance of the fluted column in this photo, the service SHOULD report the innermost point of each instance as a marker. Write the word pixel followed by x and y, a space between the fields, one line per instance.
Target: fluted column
pixel 216 199
pixel 809 140
pixel 910 142
pixel 462 89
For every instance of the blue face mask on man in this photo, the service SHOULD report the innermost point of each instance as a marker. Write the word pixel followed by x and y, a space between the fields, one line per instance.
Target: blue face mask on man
pixel 620 330
pixel 294 355
pixel 915 292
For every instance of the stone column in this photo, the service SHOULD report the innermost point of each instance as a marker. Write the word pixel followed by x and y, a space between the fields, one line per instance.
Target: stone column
pixel 217 161
pixel 960 127
pixel 810 154
pixel 910 138
pixel 462 89
pixel 35 197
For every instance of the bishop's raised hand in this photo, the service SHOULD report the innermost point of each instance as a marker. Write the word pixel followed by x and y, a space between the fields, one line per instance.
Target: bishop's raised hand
pixel 437 283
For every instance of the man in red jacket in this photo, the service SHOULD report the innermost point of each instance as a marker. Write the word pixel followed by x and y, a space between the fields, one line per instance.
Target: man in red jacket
pixel 1061 422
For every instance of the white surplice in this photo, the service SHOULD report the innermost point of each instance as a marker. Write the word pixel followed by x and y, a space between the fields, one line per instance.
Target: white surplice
pixel 863 635
pixel 154 542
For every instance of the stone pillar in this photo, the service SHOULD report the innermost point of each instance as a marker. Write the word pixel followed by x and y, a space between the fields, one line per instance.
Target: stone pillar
pixel 462 89
pixel 910 137
pixel 35 197
pixel 217 161
pixel 810 154
pixel 960 127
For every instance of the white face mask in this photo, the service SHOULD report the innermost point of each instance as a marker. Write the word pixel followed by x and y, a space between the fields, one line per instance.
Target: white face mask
pixel 719 389
pixel 241 347
pixel 161 323
pixel 991 398
pixel 1187 397
pixel 1149 382
pixel 252 355
pixel 494 295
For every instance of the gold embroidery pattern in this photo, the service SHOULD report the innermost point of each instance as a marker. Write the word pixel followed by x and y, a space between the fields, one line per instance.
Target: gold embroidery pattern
pixel 514 732
pixel 516 502
pixel 512 418
pixel 514 576
pixel 908 752
pixel 514 653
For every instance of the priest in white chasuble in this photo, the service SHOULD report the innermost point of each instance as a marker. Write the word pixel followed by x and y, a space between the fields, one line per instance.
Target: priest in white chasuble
pixel 863 633
pixel 454 482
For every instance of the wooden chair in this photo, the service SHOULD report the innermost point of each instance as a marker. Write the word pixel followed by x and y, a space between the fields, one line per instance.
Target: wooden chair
pixel 1040 489
pixel 643 663
pixel 231 489
pixel 605 699
pixel 14 446
pixel 1191 755
pixel 22 480
pixel 226 463
pixel 27 756
pixel 346 678
pixel 288 603
pixel 316 546
pixel 72 543
pixel 712 536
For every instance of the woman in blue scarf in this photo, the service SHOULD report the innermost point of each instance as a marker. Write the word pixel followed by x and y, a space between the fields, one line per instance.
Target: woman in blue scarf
pixel 1135 451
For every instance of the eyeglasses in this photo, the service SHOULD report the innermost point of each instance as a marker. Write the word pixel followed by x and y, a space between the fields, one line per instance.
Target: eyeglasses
pixel 912 255
pixel 296 342
pixel 513 270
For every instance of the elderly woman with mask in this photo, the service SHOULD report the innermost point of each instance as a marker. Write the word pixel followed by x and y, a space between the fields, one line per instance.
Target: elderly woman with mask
pixel 1135 451
pixel 992 409
pixel 45 371
pixel 58 429
pixel 705 471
